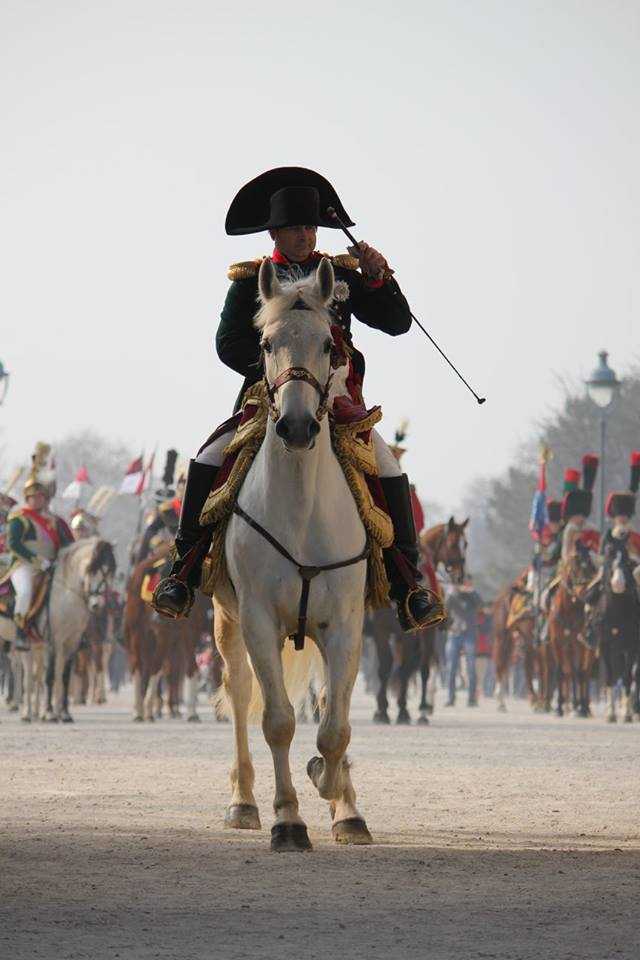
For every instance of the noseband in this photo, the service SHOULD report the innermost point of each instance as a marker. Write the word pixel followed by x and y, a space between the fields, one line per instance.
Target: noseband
pixel 299 374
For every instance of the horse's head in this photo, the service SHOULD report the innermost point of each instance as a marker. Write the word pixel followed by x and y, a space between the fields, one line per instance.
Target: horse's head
pixel 297 351
pixel 450 549
pixel 581 568
pixel 98 574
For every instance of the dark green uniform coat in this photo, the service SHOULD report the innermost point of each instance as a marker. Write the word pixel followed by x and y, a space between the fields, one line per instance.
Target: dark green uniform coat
pixel 238 342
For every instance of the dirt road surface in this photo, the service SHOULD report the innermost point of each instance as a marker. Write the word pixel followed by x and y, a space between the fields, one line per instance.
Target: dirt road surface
pixel 497 836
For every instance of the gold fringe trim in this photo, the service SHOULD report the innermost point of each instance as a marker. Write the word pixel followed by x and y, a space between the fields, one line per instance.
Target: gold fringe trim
pixel 355 457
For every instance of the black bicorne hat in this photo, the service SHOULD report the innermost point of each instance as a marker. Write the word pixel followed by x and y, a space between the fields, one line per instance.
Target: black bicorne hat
pixel 284 197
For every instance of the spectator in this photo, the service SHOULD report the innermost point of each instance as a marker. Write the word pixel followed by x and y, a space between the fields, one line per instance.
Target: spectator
pixel 484 648
pixel 463 604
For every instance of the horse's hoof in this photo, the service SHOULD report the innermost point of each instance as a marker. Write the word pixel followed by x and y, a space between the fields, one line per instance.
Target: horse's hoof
pixel 353 830
pixel 404 717
pixel 150 719
pixel 138 718
pixel 14 708
pixel 429 709
pixel 287 837
pixel 612 718
pixel 559 712
pixel 242 816
pixel 26 719
pixel 51 718
pixel 502 708
pixel 381 716
pixel 628 718
pixel 67 718
pixel 423 720
pixel 194 718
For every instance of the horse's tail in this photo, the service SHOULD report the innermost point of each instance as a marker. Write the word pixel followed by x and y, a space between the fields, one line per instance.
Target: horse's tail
pixel 301 669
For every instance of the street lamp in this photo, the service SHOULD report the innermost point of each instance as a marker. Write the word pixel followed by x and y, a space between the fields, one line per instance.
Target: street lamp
pixel 4 382
pixel 602 389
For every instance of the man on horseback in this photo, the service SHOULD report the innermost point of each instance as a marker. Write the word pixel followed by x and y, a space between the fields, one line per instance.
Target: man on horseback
pixel 576 507
pixel 620 508
pixel 291 203
pixel 35 535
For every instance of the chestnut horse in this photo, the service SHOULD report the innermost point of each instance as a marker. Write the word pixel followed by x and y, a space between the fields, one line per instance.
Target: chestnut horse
pixel 517 634
pixel 446 544
pixel 573 657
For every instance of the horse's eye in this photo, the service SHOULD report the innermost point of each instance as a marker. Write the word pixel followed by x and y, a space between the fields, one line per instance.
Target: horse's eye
pixel 266 346
pixel 328 345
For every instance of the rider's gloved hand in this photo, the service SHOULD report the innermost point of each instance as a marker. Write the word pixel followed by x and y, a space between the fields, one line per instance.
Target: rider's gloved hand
pixel 42 564
pixel 372 263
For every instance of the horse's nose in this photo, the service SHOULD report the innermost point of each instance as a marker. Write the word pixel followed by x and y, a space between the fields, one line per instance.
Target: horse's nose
pixel 297 432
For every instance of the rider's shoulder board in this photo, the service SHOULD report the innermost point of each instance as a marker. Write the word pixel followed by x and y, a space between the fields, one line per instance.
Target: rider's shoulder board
pixel 245 269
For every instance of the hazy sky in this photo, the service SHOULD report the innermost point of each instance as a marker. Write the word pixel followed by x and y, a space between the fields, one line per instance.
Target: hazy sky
pixel 491 150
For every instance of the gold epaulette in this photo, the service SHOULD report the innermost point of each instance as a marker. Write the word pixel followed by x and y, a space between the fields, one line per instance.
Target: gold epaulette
pixel 345 261
pixel 244 270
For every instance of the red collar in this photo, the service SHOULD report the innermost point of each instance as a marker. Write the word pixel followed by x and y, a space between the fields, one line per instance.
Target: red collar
pixel 278 257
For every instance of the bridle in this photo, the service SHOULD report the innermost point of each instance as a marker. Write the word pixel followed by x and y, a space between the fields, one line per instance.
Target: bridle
pixel 299 375
pixel 449 565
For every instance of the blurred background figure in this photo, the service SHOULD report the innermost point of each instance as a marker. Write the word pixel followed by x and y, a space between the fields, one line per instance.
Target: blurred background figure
pixel 463 604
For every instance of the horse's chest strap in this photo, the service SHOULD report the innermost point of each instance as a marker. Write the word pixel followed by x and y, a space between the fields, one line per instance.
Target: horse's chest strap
pixel 307 573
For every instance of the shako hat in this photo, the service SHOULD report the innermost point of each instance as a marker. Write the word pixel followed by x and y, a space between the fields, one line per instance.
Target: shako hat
pixel 623 504
pixel 284 197
pixel 554 511
pixel 577 501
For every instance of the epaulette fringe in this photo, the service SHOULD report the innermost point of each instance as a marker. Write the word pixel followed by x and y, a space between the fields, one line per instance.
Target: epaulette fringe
pixel 246 269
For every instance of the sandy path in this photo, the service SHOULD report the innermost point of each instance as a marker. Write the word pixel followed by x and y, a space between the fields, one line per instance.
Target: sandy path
pixel 510 836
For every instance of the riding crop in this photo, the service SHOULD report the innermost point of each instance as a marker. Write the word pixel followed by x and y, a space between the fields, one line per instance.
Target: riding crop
pixel 332 213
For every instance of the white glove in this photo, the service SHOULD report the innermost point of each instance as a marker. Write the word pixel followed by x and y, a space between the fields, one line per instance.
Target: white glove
pixel 42 564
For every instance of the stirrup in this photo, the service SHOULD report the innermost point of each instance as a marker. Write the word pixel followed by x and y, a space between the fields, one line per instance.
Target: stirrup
pixel 436 615
pixel 187 604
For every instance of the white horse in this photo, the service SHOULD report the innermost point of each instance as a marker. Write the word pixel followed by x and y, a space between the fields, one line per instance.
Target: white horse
pixel 295 509
pixel 81 578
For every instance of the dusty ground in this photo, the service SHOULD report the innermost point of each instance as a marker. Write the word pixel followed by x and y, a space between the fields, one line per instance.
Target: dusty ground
pixel 503 836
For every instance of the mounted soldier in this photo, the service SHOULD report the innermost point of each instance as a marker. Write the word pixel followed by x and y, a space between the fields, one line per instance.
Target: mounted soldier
pixel 576 508
pixel 291 203
pixel 35 536
pixel 620 508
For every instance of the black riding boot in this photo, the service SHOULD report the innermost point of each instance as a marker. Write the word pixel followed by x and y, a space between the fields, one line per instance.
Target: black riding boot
pixel 174 595
pixel 417 607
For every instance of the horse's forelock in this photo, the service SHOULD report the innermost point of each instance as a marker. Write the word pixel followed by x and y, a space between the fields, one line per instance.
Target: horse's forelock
pixel 277 308
pixel 102 558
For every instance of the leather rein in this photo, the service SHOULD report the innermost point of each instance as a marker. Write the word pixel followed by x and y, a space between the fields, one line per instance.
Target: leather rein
pixel 307 573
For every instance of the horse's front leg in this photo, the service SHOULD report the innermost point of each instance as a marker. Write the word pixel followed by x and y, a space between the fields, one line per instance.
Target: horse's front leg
pixel 242 812
pixel 26 658
pixel 330 772
pixel 385 664
pixel 263 641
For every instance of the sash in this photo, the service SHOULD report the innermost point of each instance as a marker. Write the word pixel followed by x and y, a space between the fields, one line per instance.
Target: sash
pixel 46 524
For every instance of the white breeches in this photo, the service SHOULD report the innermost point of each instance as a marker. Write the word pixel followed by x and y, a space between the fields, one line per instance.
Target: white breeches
pixel 388 466
pixel 22 580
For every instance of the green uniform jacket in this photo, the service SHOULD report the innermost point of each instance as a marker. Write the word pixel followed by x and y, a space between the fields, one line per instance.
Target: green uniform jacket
pixel 238 342
pixel 22 532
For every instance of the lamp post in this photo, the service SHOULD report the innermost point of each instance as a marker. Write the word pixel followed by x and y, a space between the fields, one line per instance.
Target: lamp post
pixel 4 382
pixel 602 390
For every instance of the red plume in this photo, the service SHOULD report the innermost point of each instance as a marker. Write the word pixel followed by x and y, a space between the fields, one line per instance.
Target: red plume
pixel 634 481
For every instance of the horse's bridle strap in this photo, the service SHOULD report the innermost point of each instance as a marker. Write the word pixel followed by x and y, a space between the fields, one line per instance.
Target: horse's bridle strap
pixel 299 375
pixel 307 573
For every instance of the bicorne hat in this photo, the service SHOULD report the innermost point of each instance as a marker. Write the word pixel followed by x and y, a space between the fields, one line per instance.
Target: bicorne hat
pixel 284 197
pixel 622 504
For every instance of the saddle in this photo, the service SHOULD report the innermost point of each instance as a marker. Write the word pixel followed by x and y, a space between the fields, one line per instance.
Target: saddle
pixel 351 425
pixel 40 597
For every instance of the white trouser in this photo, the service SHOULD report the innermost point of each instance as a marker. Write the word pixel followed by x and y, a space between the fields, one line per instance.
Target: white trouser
pixel 388 466
pixel 22 580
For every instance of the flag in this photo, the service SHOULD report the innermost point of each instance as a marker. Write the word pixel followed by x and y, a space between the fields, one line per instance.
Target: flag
pixel 538 517
pixel 146 476
pixel 133 477
pixel 74 490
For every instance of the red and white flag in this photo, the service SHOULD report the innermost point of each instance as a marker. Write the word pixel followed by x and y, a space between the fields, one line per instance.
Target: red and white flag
pixel 146 476
pixel 74 490
pixel 133 478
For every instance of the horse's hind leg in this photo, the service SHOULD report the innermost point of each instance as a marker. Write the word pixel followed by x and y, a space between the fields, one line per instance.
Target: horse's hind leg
pixel 242 812
pixel 385 664
pixel 26 659
pixel 426 653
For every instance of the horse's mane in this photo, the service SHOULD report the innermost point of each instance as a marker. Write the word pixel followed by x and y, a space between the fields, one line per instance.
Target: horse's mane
pixel 101 554
pixel 292 291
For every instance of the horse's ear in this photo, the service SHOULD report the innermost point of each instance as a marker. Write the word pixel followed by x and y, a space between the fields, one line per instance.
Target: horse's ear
pixel 464 525
pixel 451 524
pixel 325 281
pixel 268 284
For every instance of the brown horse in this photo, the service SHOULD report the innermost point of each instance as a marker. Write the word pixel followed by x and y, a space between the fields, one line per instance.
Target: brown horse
pixel 161 649
pixel 574 659
pixel 513 636
pixel 446 544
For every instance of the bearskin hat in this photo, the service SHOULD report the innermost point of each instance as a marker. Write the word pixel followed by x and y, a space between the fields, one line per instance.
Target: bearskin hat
pixel 623 504
pixel 554 511
pixel 576 501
